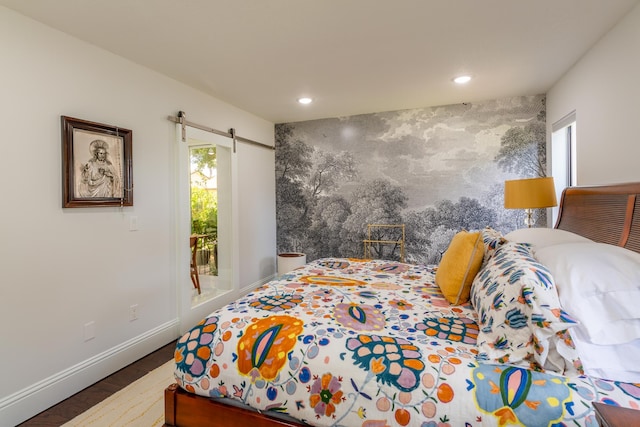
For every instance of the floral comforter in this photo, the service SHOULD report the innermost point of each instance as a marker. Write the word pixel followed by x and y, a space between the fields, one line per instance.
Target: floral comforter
pixel 346 342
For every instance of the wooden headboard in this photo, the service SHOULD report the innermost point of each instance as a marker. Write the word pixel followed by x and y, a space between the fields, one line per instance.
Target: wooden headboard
pixel 607 213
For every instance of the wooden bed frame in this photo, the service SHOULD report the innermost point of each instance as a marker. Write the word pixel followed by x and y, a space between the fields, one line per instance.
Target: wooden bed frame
pixel 608 214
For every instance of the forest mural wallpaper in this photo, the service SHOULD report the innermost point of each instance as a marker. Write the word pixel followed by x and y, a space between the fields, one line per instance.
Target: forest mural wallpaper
pixel 436 170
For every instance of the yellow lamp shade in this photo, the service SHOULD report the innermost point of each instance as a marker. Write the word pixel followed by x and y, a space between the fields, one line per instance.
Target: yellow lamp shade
pixel 532 193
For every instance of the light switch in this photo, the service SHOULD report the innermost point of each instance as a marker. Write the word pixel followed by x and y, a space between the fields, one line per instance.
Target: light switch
pixel 133 223
pixel 89 331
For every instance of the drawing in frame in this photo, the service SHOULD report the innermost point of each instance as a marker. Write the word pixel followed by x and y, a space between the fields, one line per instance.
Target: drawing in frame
pixel 96 164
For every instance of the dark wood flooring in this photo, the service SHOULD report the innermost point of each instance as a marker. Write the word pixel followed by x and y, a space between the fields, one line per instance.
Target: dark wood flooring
pixel 85 399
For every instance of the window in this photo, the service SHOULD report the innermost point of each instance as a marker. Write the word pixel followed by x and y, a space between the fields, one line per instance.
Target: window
pixel 563 156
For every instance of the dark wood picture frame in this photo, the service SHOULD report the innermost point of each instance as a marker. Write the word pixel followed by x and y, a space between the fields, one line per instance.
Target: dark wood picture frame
pixel 96 164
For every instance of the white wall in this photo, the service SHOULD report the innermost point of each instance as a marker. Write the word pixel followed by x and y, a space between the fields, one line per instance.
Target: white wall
pixel 61 268
pixel 603 89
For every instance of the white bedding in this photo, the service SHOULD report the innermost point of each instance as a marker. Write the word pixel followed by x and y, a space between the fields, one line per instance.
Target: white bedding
pixel 599 285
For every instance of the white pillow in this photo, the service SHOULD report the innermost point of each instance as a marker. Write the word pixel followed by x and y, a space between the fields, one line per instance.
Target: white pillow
pixel 543 237
pixel 611 362
pixel 599 285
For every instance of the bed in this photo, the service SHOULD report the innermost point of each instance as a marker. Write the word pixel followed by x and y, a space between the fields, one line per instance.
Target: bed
pixel 350 342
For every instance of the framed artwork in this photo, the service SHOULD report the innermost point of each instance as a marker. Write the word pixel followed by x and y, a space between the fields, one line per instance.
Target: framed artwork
pixel 96 164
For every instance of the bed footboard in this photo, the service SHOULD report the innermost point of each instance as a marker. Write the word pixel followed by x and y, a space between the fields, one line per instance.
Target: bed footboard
pixel 182 409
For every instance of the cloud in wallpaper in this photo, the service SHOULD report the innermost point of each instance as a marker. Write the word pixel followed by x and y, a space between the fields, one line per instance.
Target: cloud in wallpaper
pixel 436 170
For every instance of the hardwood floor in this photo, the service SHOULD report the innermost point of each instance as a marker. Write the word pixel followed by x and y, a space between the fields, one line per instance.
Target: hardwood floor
pixel 85 399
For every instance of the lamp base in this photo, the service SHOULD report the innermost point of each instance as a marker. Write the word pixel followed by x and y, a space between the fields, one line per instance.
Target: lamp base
pixel 528 219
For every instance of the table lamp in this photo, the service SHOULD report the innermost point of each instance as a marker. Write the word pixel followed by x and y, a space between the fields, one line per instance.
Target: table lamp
pixel 529 194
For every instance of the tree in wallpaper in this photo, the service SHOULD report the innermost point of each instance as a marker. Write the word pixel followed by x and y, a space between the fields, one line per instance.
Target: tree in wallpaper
pixel 435 170
pixel 523 151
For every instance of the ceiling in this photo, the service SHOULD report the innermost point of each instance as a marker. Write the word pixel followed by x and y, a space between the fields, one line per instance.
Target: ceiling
pixel 350 56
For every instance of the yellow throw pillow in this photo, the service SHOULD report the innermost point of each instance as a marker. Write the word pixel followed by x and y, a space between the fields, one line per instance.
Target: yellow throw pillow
pixel 459 266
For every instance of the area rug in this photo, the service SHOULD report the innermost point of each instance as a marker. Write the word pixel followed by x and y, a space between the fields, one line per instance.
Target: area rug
pixel 141 403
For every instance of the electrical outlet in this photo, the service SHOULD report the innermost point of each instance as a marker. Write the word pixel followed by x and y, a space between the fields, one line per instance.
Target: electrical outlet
pixel 89 331
pixel 133 312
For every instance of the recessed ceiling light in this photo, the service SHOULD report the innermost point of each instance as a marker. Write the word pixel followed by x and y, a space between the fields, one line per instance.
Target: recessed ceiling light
pixel 462 79
pixel 305 100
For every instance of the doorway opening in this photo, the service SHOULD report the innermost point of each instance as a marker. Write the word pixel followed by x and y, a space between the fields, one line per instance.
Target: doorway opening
pixel 203 185
pixel 209 214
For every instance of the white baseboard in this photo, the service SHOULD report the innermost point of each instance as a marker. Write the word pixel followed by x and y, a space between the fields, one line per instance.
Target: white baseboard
pixel 253 286
pixel 32 400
